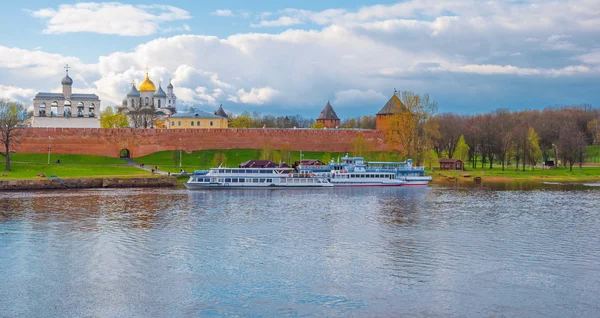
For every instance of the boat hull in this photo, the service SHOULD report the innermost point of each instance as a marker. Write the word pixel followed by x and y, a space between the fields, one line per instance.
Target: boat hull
pixel 205 186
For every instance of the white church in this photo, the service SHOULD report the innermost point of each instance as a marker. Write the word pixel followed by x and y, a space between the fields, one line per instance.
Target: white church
pixel 66 109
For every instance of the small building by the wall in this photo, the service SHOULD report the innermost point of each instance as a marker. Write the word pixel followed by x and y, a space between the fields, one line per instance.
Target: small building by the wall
pixel 195 120
pixel 328 118
pixel 451 164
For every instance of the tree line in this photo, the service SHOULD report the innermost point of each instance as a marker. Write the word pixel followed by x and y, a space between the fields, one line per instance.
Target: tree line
pixel 258 120
pixel 518 137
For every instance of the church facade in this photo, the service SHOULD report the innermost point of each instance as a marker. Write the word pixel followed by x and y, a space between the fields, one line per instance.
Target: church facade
pixel 147 96
pixel 147 106
pixel 66 109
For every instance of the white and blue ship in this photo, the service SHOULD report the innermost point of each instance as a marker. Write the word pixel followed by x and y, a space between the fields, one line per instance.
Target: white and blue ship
pixel 349 172
pixel 355 171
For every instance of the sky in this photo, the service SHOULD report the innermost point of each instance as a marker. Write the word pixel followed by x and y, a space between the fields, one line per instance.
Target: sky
pixel 291 57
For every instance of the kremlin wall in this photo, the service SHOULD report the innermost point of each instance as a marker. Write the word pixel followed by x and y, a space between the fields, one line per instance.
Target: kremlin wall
pixel 56 126
pixel 141 142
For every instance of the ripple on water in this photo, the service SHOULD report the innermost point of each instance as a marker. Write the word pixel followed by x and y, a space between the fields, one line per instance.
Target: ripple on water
pixel 429 251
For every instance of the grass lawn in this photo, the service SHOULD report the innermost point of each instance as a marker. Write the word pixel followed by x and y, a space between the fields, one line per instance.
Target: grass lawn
pixel 203 159
pixel 64 159
pixel 538 174
pixel 28 166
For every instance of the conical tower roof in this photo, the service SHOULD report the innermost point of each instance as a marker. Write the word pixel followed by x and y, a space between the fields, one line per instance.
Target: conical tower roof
pixel 328 112
pixel 393 105
pixel 221 112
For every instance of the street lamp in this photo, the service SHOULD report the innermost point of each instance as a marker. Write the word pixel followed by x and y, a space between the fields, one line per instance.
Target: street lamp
pixel 49 149
pixel 180 150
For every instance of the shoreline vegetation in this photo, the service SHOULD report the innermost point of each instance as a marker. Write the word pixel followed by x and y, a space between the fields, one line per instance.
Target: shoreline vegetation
pixel 588 172
pixel 74 167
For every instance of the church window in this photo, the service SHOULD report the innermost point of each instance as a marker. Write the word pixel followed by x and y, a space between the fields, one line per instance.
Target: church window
pixel 43 109
pixel 67 103
pixel 211 123
pixel 192 123
pixel 132 102
pixel 80 109
pixel 179 123
pixel 54 109
pixel 198 124
pixel 91 109
pixel 159 103
pixel 169 101
pixel 173 123
pixel 146 101
pixel 140 102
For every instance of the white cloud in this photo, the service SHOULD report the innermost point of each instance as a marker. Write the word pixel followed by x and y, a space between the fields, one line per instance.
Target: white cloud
pixel 17 93
pixel 223 13
pixel 109 18
pixel 590 58
pixel 256 96
pixel 513 70
pixel 282 21
pixel 426 46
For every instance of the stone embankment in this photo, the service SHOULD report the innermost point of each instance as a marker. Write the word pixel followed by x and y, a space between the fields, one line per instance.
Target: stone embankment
pixel 87 183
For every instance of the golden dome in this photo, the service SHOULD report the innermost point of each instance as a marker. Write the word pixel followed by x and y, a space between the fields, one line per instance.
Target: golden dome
pixel 147 85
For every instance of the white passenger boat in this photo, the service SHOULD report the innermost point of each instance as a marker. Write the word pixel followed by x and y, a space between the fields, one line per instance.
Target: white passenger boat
pixel 355 171
pixel 263 178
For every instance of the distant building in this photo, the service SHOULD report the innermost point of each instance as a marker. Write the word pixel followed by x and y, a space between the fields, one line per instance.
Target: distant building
pixel 328 117
pixel 147 105
pixel 451 164
pixel 57 110
pixel 195 120
pixel 384 116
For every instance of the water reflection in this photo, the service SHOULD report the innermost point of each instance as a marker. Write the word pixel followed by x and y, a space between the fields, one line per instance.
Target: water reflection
pixel 432 251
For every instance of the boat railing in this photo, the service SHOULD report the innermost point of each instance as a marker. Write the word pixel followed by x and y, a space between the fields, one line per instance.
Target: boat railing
pixel 414 168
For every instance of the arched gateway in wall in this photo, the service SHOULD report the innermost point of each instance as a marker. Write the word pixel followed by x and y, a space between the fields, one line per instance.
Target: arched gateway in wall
pixel 124 153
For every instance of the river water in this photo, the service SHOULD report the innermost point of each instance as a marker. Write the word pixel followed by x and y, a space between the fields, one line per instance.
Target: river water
pixel 409 251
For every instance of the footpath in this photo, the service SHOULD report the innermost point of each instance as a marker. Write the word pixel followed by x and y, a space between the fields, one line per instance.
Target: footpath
pixel 132 163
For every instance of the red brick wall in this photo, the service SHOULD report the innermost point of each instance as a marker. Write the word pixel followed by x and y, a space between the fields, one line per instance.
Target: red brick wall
pixel 140 142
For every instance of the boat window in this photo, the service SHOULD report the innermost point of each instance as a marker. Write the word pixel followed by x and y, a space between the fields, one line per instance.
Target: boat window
pixel 262 180
pixel 255 180
pixel 241 180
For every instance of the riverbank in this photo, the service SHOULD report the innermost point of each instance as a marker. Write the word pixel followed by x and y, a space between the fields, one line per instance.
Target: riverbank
pixel 560 174
pixel 87 183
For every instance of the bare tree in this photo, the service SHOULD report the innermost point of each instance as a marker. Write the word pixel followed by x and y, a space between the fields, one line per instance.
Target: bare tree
pixel 571 143
pixel 12 114
pixel 450 130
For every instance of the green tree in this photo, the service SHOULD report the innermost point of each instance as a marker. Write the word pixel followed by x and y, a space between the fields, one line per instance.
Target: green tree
pixel 462 149
pixel 533 147
pixel 317 125
pixel 111 119
pixel 242 121
pixel 326 158
pixel 361 147
pixel 266 151
pixel 219 159
pixel 12 114
pixel 286 153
